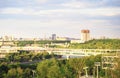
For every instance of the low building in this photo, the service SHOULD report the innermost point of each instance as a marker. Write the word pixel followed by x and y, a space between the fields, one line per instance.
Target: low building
pixel 61 38
pixel 75 41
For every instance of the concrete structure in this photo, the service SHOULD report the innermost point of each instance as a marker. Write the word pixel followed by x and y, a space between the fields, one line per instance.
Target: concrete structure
pixel 58 51
pixel 7 38
pixel 61 38
pixel 7 42
pixel 85 35
pixel 75 41
pixel 53 36
pixel 109 61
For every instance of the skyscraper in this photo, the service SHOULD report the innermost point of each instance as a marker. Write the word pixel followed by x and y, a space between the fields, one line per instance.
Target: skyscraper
pixel 53 36
pixel 85 35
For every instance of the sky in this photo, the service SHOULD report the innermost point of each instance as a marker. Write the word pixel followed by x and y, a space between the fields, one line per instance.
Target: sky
pixel 65 18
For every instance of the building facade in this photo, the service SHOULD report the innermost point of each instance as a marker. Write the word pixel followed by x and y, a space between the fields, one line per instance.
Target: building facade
pixel 53 36
pixel 85 35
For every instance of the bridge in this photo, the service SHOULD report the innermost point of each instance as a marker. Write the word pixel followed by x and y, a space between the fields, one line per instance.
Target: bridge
pixel 57 51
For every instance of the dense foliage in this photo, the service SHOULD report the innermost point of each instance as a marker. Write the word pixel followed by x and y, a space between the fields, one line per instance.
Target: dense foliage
pixel 44 65
pixel 26 56
pixel 53 68
pixel 40 42
pixel 16 70
pixel 92 44
pixel 98 44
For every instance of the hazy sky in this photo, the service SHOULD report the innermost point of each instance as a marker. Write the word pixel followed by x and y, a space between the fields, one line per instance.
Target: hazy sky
pixel 36 18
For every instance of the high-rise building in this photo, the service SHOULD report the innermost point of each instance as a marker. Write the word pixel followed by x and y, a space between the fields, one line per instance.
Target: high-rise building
pixel 7 41
pixel 53 36
pixel 8 38
pixel 85 35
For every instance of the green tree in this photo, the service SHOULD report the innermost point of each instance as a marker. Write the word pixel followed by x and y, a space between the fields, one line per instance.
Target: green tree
pixel 27 73
pixel 3 70
pixel 67 71
pixel 19 72
pixel 77 64
pixel 54 72
pixel 49 69
pixel 12 73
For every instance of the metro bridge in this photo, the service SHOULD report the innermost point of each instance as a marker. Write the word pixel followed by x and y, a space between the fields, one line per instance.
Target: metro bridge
pixel 57 51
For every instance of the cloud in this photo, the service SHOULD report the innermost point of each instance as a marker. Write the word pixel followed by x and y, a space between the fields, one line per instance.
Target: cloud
pixel 83 4
pixel 29 16
pixel 29 27
pixel 77 4
pixel 22 11
pixel 32 28
pixel 22 3
pixel 41 1
pixel 90 3
pixel 62 12
pixel 111 3
pixel 60 3
pixel 11 11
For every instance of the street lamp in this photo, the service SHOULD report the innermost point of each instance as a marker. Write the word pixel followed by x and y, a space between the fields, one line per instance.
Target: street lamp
pixel 97 64
pixel 33 73
pixel 86 71
pixel 93 71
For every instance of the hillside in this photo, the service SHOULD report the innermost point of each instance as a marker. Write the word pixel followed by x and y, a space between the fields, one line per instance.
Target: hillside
pixel 98 44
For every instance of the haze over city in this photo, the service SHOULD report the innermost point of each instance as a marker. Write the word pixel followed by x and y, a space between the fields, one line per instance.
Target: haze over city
pixel 37 18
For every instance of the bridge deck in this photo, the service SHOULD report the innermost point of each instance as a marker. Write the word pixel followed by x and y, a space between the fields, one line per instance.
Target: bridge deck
pixel 60 51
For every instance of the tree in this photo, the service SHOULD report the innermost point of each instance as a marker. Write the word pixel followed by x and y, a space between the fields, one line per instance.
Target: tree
pixel 46 55
pixel 3 70
pixel 49 69
pixel 12 73
pixel 27 73
pixel 42 69
pixel 54 72
pixel 77 64
pixel 19 72
pixel 67 71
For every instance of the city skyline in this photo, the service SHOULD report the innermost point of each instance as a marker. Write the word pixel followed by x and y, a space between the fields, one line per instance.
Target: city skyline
pixel 66 18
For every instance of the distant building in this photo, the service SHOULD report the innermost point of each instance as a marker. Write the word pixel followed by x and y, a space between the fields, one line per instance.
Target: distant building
pixel 29 39
pixel 61 38
pixel 53 36
pixel 7 38
pixel 7 41
pixel 85 35
pixel 75 41
pixel 102 37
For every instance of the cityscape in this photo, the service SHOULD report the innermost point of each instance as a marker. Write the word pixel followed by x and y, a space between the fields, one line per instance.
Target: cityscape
pixel 33 51
pixel 85 36
pixel 60 39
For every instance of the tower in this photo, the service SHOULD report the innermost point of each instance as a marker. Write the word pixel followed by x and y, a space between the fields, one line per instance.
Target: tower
pixel 85 35
pixel 53 36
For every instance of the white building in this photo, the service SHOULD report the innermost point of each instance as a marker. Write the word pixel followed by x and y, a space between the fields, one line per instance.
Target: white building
pixel 75 41
pixel 85 35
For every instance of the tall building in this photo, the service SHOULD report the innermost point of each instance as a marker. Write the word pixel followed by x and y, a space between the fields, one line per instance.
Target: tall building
pixel 7 38
pixel 7 41
pixel 53 36
pixel 85 35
